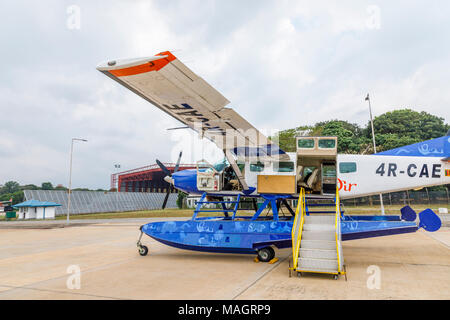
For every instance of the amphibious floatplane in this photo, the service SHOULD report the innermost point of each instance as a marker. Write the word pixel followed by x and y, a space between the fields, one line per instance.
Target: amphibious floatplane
pixel 314 176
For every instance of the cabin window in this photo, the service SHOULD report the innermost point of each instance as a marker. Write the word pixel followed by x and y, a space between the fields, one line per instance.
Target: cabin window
pixel 285 166
pixel 306 143
pixel 257 167
pixel 327 143
pixel 241 166
pixel 347 167
pixel 329 171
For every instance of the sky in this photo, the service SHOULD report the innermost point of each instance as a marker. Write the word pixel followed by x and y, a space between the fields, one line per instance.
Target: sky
pixel 282 64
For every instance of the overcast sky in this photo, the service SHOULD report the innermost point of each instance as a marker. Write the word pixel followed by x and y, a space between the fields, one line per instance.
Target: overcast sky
pixel 281 64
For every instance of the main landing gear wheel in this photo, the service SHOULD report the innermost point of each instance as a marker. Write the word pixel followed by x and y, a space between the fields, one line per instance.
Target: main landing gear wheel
pixel 266 254
pixel 143 250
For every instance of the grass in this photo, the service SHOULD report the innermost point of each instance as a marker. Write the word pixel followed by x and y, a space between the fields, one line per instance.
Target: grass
pixel 391 209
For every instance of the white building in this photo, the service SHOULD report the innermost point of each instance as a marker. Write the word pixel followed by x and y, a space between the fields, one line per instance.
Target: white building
pixel 34 209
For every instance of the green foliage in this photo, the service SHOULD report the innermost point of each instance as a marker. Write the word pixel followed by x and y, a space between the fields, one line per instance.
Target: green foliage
pixel 47 186
pixel 10 187
pixel 286 139
pixel 17 197
pixel 30 187
pixel 350 136
pixel 392 130
pixel 403 127
pixel 180 199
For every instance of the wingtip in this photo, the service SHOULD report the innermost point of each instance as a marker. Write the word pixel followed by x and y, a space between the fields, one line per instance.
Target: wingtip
pixel 126 63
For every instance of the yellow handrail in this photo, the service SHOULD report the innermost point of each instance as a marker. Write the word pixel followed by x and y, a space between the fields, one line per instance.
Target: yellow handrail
pixel 336 226
pixel 296 233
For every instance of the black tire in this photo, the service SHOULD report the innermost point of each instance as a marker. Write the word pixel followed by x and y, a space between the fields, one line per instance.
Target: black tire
pixel 266 254
pixel 143 250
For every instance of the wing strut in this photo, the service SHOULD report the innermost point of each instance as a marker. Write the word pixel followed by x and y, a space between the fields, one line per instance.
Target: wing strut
pixel 236 169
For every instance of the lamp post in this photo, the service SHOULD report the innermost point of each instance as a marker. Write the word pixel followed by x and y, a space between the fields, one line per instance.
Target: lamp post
pixel 117 166
pixel 70 176
pixel 374 148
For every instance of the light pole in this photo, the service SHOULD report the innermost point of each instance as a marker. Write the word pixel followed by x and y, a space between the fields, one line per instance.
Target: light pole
pixel 117 166
pixel 70 176
pixel 374 148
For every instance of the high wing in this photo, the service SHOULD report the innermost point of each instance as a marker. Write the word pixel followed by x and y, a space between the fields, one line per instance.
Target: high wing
pixel 172 87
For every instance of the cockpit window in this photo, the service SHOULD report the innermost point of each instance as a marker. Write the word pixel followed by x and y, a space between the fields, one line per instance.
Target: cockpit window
pixel 220 165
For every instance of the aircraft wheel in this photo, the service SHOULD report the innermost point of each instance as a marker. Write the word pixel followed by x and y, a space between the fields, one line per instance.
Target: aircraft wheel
pixel 266 254
pixel 143 250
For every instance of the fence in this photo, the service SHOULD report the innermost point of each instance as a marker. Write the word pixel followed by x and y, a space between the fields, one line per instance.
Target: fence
pixel 100 201
pixel 409 197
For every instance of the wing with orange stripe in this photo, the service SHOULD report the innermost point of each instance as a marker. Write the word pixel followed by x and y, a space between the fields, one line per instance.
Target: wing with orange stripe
pixel 171 86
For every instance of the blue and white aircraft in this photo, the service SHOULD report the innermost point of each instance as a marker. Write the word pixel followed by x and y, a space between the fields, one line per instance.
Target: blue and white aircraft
pixel 255 167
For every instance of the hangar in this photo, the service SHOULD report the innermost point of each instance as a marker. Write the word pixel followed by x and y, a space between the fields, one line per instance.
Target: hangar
pixel 145 179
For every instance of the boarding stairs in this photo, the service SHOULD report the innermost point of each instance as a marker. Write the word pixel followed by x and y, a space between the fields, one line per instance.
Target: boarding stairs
pixel 202 206
pixel 316 237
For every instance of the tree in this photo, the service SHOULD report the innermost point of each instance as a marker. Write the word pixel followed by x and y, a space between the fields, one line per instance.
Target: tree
pixel 10 187
pixel 30 187
pixel 180 199
pixel 403 127
pixel 47 186
pixel 392 130
pixel 16 197
pixel 350 136
pixel 286 138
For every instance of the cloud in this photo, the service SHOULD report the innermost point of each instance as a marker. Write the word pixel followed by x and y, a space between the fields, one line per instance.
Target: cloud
pixel 281 64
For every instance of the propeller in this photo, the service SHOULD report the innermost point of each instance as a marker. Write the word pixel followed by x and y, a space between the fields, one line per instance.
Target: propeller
pixel 169 174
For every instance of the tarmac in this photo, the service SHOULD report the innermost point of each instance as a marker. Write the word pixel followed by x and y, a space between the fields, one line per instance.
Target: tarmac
pixel 38 258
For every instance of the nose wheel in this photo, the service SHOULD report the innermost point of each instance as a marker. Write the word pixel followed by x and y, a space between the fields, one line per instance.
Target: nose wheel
pixel 143 250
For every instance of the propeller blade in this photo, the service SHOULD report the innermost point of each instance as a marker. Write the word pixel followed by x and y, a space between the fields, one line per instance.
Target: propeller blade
pixel 169 190
pixel 163 168
pixel 178 162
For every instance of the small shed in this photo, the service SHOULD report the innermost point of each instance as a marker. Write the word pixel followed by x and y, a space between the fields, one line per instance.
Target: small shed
pixel 34 209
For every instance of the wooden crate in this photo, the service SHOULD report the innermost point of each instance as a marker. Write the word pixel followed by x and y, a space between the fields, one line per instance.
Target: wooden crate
pixel 279 184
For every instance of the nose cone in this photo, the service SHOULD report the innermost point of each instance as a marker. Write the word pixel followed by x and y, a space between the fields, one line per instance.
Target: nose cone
pixel 186 180
pixel 168 179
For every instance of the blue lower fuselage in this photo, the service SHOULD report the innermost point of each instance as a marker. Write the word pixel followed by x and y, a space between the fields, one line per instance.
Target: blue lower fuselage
pixel 245 236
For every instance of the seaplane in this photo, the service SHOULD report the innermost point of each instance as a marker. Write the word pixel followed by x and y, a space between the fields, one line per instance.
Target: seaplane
pixel 299 192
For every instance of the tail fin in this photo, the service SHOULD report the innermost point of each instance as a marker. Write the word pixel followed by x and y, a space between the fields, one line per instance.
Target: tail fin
pixel 439 147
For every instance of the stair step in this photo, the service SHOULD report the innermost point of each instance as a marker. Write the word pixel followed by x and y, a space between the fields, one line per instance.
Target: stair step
pixel 318 254
pixel 317 264
pixel 323 219
pixel 317 270
pixel 319 235
pixel 317 244
pixel 331 204
pixel 330 212
pixel 318 227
